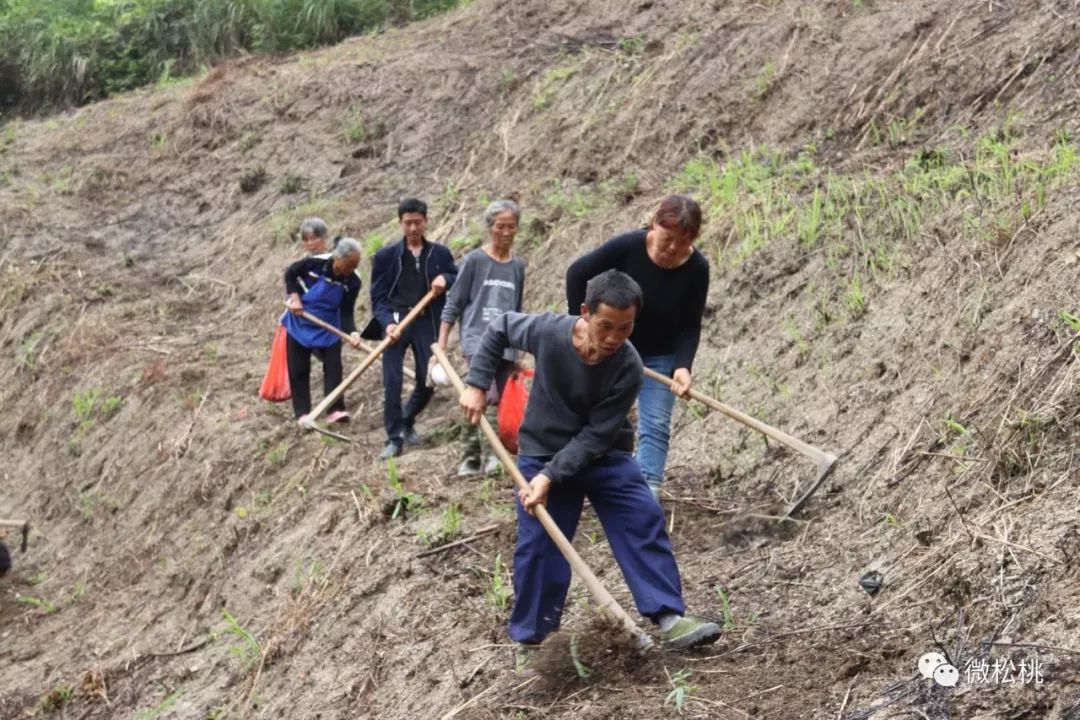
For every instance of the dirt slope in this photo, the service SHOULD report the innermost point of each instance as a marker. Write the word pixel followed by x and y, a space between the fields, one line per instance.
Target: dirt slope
pixel 893 203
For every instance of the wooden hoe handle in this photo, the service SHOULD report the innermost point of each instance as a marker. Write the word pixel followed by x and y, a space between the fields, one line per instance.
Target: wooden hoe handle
pixel 607 603
pixel 348 338
pixel 326 326
pixel 372 356
pixel 823 460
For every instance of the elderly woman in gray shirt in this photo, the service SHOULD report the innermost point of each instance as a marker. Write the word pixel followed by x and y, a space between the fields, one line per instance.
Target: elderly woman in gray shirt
pixel 491 281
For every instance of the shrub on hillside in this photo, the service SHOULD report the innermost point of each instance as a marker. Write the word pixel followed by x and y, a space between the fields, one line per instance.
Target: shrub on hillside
pixel 68 52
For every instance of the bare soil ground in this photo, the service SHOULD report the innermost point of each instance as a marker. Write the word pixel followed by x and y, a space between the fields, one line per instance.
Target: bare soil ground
pixel 195 556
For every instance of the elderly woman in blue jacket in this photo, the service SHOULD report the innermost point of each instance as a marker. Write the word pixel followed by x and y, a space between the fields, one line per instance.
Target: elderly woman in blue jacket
pixel 402 274
pixel 326 287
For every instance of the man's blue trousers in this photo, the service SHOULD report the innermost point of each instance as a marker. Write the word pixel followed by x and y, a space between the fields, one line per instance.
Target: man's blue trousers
pixel 634 525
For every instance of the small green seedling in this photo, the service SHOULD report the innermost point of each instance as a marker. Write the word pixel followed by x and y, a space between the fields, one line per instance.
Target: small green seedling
pixel 681 689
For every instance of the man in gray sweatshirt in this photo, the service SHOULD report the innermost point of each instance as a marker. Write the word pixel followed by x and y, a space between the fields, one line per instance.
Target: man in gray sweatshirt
pixel 577 441
pixel 490 281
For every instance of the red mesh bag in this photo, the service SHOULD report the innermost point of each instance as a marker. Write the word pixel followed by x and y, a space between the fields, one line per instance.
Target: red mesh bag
pixel 515 397
pixel 275 384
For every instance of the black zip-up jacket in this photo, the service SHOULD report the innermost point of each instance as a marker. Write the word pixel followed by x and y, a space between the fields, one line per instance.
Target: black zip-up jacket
pixel 386 270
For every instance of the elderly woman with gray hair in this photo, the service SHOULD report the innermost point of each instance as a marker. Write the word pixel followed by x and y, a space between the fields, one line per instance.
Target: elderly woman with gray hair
pixel 315 236
pixel 325 286
pixel 490 281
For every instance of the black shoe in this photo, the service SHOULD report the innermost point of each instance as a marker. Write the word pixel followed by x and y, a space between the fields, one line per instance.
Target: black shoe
pixel 469 466
pixel 392 449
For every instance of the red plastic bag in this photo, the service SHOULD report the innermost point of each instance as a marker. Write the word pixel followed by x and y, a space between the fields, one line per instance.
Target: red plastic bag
pixel 515 396
pixel 275 384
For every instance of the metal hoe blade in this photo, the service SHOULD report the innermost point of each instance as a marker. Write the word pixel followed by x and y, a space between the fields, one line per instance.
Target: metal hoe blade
pixel 310 425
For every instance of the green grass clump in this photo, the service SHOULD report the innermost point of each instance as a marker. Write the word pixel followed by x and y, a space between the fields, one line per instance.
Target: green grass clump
pixel 67 52
pixel 498 591
pixel 759 197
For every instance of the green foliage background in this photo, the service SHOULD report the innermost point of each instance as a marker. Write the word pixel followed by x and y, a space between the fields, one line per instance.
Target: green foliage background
pixel 67 52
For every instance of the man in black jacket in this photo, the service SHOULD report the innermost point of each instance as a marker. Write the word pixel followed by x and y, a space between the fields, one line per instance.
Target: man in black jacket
pixel 401 274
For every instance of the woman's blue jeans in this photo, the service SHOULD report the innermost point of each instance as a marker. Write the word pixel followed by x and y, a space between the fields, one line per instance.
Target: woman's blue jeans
pixel 655 403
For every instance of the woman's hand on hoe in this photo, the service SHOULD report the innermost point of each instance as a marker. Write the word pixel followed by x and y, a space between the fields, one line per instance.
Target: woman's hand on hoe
pixel 680 382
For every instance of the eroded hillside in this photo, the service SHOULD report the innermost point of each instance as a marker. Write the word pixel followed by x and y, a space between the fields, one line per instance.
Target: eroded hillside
pixel 893 211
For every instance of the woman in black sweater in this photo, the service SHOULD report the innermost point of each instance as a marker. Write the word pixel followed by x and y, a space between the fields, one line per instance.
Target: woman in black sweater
pixel 674 278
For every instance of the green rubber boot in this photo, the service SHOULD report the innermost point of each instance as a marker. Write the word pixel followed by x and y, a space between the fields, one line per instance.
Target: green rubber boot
pixel 523 657
pixel 690 631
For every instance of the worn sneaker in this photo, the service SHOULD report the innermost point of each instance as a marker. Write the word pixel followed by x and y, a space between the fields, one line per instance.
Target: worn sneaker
pixel 523 657
pixel 412 437
pixel 689 631
pixel 392 449
pixel 304 421
pixel 468 467
pixel 338 416
pixel 492 466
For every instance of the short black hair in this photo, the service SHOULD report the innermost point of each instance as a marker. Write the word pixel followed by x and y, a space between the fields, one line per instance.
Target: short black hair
pixel 615 289
pixel 411 205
